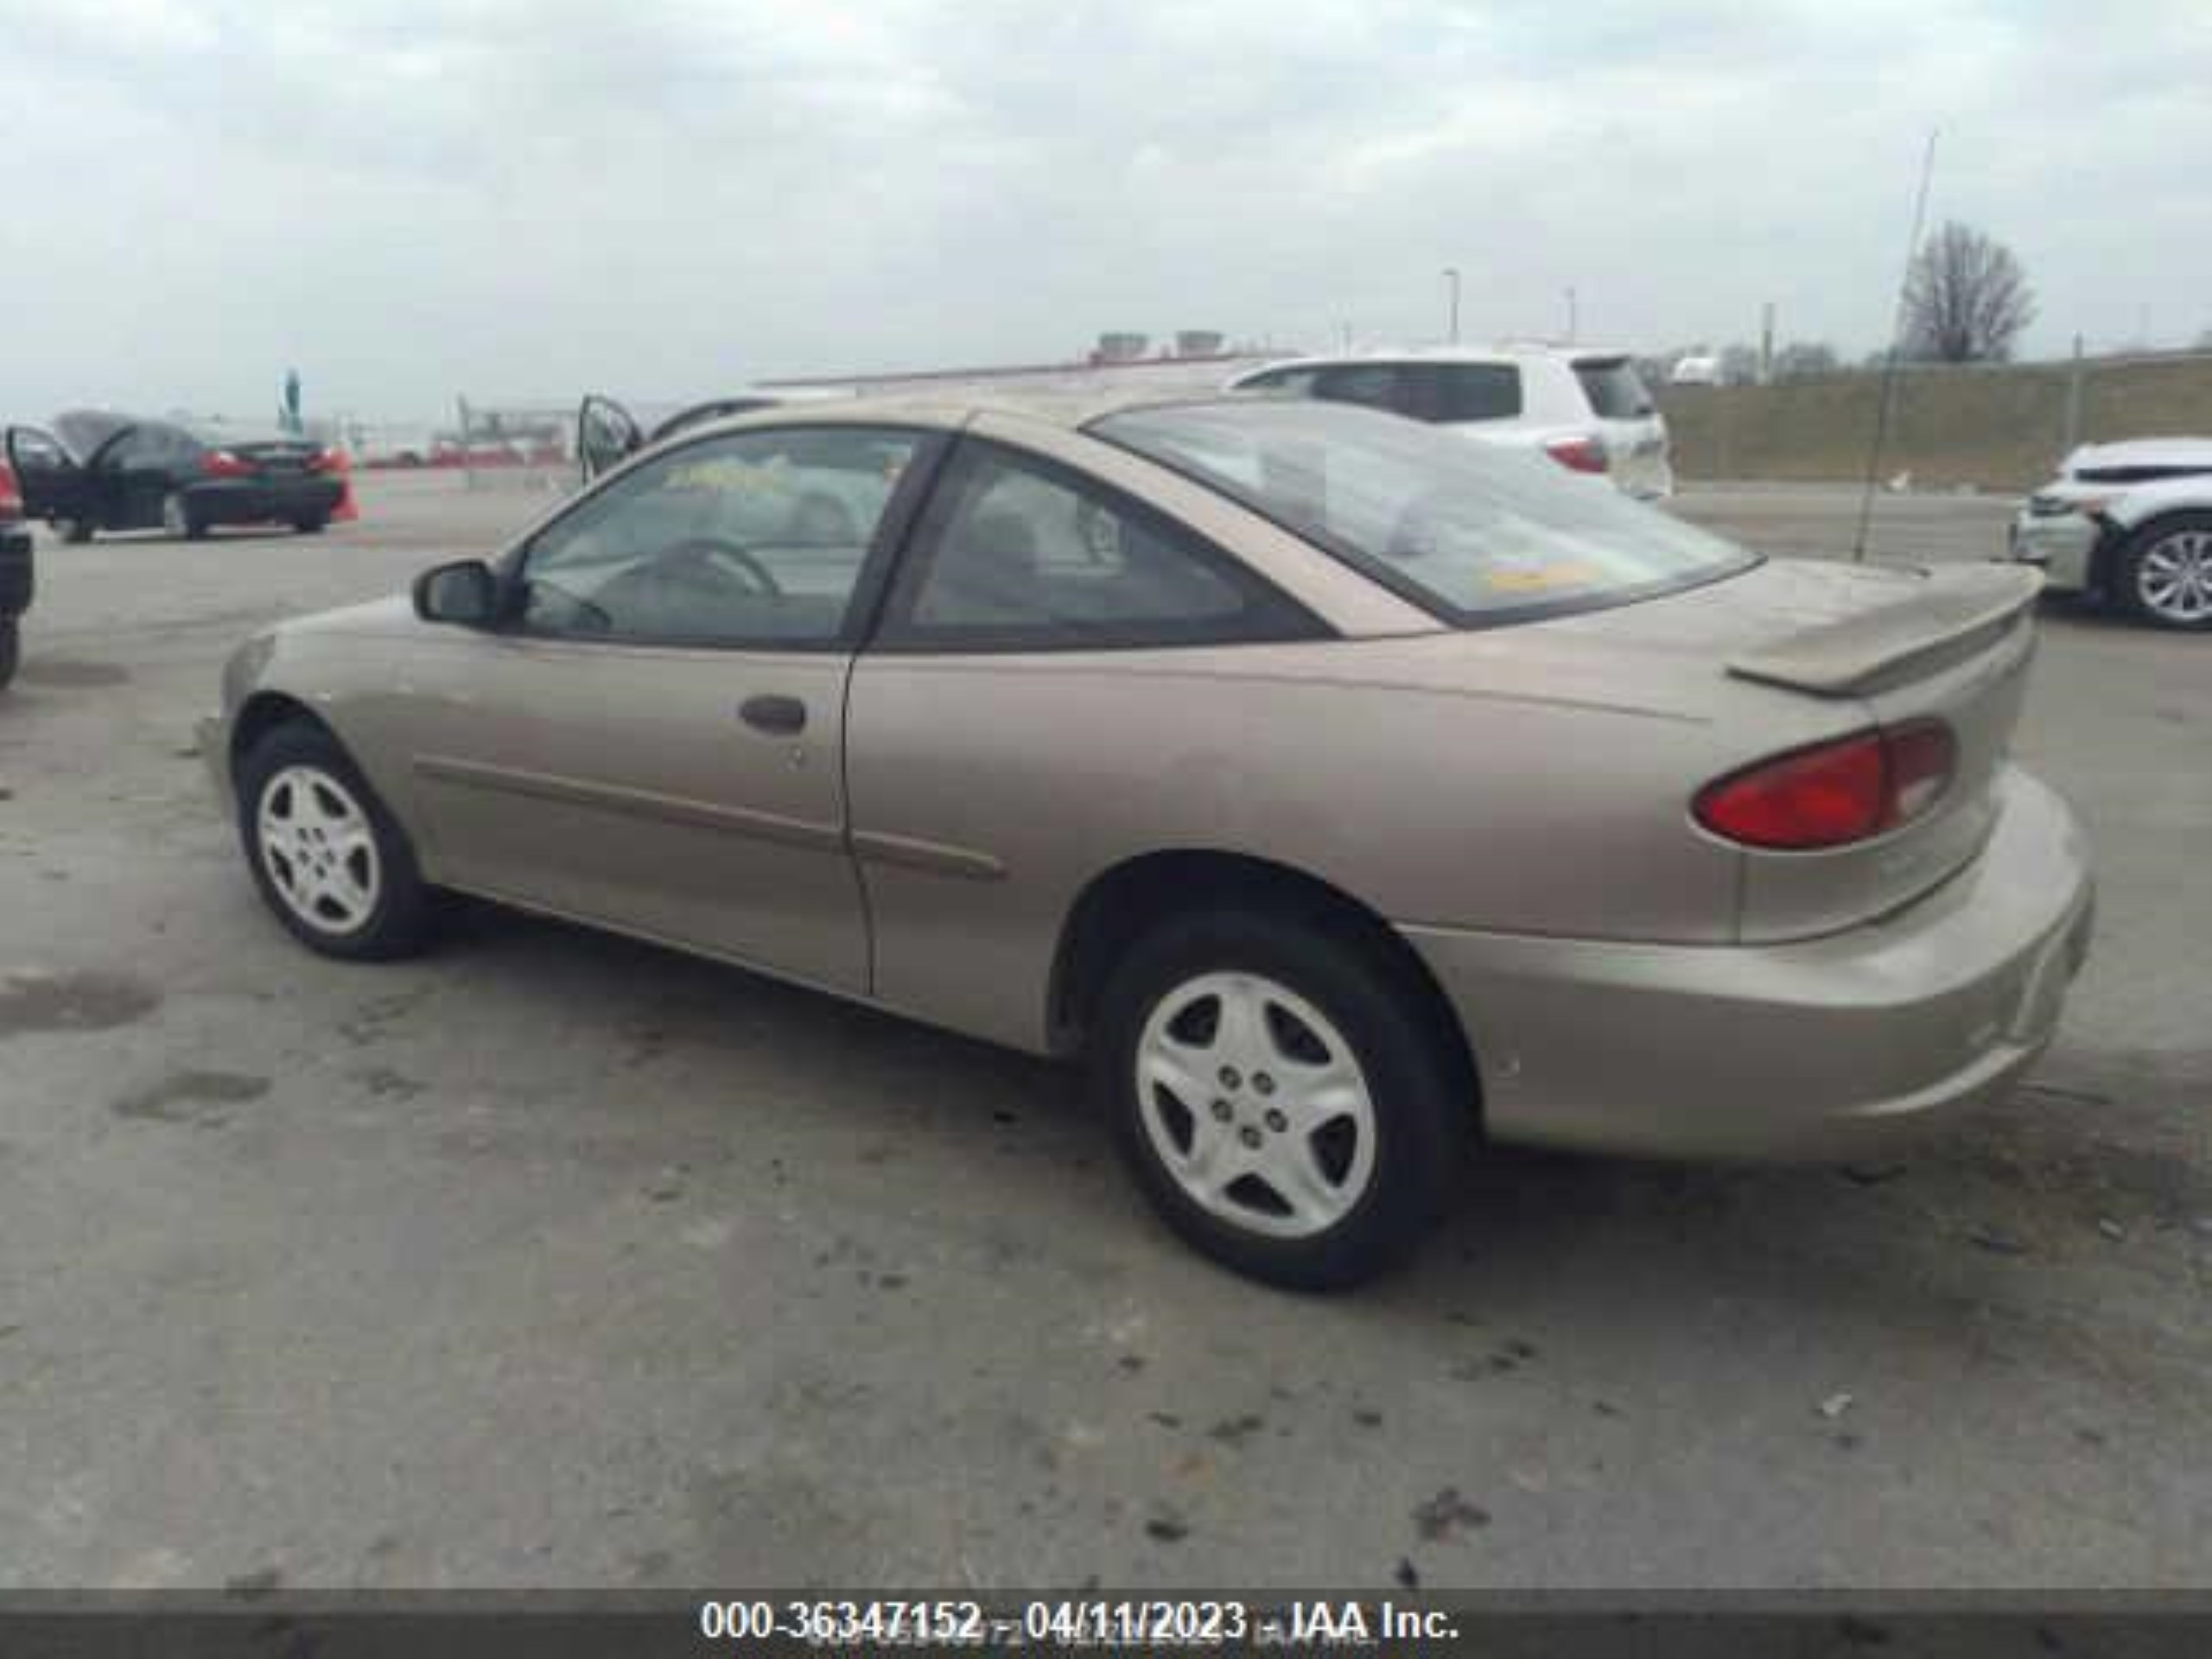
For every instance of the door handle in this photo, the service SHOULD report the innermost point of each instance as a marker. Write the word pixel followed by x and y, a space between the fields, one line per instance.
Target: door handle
pixel 780 716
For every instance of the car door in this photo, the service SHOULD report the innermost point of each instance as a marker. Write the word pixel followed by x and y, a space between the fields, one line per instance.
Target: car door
pixel 136 470
pixel 1029 701
pixel 607 436
pixel 54 483
pixel 655 741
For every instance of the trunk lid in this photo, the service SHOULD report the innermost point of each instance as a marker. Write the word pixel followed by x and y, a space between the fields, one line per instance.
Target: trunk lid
pixel 278 457
pixel 1629 424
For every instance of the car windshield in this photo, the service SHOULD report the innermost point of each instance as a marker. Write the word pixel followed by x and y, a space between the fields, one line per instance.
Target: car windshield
pixel 1475 533
pixel 84 430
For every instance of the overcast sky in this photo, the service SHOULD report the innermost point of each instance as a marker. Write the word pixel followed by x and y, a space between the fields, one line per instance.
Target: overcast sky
pixel 520 198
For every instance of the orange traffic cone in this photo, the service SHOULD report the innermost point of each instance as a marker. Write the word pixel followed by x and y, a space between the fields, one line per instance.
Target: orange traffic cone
pixel 348 509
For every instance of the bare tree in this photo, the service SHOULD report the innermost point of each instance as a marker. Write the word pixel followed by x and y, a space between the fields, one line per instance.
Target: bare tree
pixel 1967 300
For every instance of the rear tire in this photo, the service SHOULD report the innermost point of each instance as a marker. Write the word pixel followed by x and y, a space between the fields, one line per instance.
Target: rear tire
pixel 330 858
pixel 312 525
pixel 179 522
pixel 11 648
pixel 2164 574
pixel 1279 1092
pixel 75 531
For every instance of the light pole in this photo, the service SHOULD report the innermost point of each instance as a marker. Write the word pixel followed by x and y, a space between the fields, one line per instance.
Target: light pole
pixel 1452 277
pixel 1570 314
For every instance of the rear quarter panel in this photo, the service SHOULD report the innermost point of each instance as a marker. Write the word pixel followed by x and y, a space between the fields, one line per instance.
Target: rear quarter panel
pixel 987 793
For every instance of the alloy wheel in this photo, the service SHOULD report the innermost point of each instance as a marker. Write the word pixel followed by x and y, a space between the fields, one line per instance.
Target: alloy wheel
pixel 319 850
pixel 1255 1104
pixel 2174 576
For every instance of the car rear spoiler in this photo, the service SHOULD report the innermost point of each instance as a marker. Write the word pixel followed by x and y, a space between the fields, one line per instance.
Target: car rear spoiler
pixel 1959 610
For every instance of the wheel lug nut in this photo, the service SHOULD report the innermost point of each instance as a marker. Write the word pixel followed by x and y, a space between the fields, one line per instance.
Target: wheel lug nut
pixel 1221 1110
pixel 1276 1120
pixel 1248 1135
pixel 1228 1077
pixel 1263 1083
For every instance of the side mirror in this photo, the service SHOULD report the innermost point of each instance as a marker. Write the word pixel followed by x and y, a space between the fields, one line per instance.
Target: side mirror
pixel 466 592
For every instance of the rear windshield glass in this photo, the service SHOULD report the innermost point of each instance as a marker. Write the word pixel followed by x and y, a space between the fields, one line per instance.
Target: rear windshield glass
pixel 1475 533
pixel 218 433
pixel 1613 389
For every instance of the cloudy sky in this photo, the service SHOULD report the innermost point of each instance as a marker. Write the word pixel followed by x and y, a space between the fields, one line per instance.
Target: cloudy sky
pixel 519 198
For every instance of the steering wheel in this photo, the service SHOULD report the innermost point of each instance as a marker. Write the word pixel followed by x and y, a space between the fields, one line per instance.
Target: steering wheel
pixel 711 553
pixel 700 564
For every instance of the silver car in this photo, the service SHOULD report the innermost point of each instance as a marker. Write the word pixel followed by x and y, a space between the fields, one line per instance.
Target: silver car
pixel 2129 522
pixel 1345 792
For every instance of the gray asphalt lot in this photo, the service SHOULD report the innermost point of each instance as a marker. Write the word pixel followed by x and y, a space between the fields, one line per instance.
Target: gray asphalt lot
pixel 556 1260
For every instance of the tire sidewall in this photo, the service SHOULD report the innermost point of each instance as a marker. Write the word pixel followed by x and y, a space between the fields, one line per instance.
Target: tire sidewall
pixel 11 648
pixel 2131 564
pixel 397 924
pixel 1422 1125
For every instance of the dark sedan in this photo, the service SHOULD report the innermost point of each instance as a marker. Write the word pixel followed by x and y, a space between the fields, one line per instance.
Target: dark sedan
pixel 96 470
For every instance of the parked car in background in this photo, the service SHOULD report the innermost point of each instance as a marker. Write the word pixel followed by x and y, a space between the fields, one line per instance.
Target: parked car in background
pixel 15 573
pixel 2131 522
pixel 608 434
pixel 1588 411
pixel 1343 790
pixel 96 470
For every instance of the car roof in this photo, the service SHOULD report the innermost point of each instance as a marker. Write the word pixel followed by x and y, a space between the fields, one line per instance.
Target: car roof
pixel 951 408
pixel 1500 351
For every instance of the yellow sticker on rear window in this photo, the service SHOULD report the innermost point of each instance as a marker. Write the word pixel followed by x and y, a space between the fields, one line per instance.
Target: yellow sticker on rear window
pixel 1540 579
pixel 728 473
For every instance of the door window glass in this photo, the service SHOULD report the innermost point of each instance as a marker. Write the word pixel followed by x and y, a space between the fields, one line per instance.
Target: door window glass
pixel 758 538
pixel 1022 555
pixel 1378 385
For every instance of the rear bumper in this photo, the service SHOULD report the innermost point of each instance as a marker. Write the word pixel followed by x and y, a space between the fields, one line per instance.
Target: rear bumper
pixel 258 501
pixel 1825 1047
pixel 2062 545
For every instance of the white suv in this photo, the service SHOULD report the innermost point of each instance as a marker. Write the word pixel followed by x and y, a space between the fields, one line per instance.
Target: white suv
pixel 1585 409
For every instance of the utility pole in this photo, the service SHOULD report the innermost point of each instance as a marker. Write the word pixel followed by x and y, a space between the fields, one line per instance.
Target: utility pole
pixel 2074 399
pixel 1452 280
pixel 1572 323
pixel 1766 344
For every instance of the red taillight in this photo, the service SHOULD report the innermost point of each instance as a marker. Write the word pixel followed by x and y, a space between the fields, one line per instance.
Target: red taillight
pixel 1834 794
pixel 1582 455
pixel 221 463
pixel 11 498
pixel 323 460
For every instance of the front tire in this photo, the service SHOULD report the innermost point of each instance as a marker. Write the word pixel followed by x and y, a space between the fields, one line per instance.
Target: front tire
pixel 1279 1089
pixel 75 531
pixel 2164 573
pixel 312 525
pixel 330 858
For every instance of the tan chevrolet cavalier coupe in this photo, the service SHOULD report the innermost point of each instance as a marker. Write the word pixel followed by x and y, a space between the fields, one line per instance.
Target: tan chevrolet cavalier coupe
pixel 1343 792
